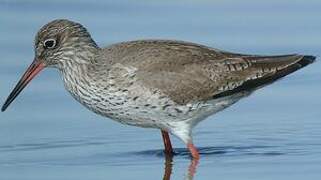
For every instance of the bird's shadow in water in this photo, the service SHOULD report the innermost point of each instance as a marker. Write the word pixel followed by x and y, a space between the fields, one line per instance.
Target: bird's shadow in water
pixel 218 151
pixel 208 151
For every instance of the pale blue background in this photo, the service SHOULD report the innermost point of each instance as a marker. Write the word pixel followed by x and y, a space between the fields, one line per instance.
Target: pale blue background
pixel 274 134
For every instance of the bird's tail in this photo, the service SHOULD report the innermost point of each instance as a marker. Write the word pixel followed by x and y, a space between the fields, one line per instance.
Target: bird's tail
pixel 270 69
pixel 284 65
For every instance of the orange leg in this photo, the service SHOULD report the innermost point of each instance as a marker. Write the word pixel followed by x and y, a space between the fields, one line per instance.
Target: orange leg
pixel 167 143
pixel 193 150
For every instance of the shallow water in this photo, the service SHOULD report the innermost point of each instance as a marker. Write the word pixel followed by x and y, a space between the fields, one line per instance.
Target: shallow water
pixel 274 134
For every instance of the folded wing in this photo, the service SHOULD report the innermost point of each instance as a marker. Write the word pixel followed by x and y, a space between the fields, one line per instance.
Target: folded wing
pixel 187 72
pixel 211 79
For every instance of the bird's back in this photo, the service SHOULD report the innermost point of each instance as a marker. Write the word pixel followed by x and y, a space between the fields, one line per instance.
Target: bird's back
pixel 187 72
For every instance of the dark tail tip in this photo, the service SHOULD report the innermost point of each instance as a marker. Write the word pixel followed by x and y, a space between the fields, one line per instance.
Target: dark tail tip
pixel 306 60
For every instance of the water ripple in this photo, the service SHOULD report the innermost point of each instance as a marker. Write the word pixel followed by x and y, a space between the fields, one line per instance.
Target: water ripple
pixel 218 151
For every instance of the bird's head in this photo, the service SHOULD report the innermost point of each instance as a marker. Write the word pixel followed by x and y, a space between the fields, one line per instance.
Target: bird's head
pixel 57 44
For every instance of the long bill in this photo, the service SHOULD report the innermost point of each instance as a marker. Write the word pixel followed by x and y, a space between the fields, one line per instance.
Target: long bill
pixel 30 73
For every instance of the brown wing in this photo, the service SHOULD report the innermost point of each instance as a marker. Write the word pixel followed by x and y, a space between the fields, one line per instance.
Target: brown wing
pixel 212 79
pixel 187 72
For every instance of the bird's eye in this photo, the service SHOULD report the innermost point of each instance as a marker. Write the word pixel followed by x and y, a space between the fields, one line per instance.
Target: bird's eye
pixel 49 43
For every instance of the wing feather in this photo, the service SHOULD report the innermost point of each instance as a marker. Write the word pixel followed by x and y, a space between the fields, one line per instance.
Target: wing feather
pixel 187 72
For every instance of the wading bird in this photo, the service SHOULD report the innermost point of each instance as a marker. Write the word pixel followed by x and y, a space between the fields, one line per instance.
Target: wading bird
pixel 164 84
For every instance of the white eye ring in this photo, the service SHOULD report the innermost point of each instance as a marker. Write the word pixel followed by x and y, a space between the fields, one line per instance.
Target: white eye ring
pixel 49 43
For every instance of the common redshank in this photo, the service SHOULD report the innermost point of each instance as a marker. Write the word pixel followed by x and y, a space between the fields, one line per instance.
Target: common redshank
pixel 164 84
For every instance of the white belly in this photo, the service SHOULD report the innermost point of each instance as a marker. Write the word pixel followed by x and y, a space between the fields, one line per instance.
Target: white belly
pixel 162 114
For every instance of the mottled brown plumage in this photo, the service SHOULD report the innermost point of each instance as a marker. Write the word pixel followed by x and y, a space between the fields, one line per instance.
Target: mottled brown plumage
pixel 165 84
pixel 188 72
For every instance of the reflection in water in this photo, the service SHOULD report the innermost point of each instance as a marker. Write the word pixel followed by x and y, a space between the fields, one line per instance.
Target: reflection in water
pixel 168 167
pixel 208 151
pixel 191 170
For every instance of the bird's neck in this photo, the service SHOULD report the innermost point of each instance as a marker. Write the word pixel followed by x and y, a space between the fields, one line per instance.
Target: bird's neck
pixel 80 83
pixel 77 72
